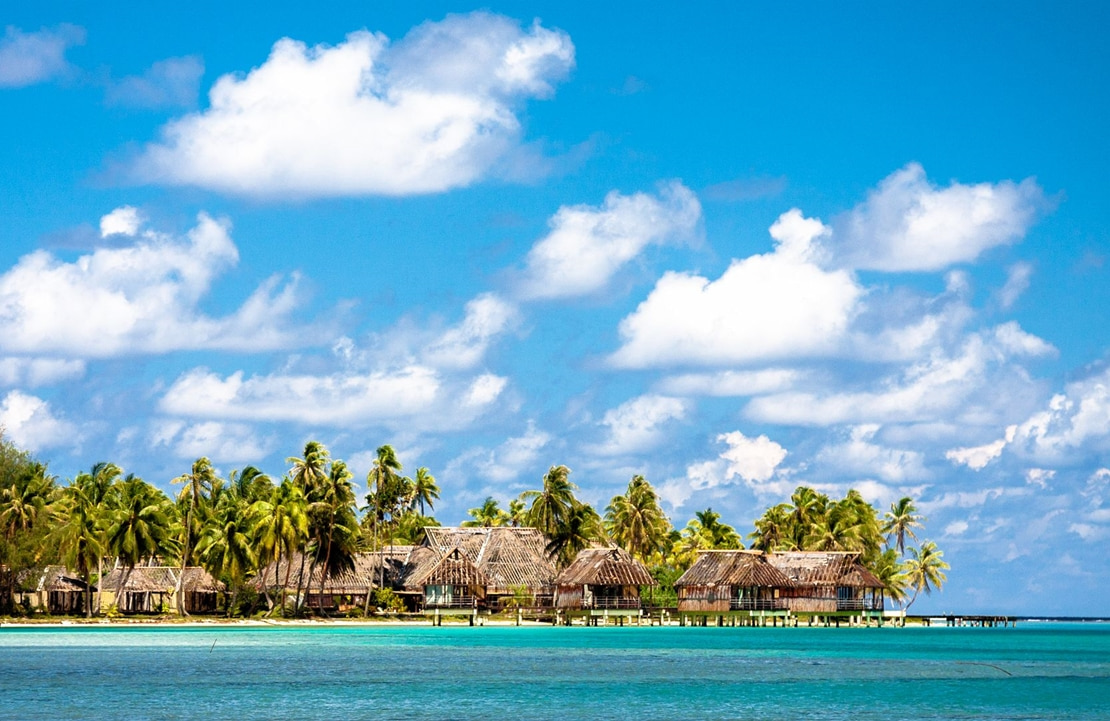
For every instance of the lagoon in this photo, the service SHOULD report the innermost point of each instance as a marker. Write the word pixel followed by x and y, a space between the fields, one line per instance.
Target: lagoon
pixel 1035 671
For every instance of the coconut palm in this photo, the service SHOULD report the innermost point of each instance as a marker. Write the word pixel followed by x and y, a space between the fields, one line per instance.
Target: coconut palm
pixel 197 484
pixel 24 497
pixel 900 521
pixel 840 530
pixel 487 515
pixel 635 521
pixel 79 533
pixel 518 513
pixel 424 490
pixel 580 527
pixel 226 546
pixel 281 529
pixel 924 570
pixel 140 526
pixel 551 505
pixel 310 469
pixel 97 485
pixel 332 524
pixel 772 529
pixel 890 570
pixel 808 509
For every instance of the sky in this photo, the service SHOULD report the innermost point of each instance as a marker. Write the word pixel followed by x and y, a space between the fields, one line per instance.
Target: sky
pixel 733 248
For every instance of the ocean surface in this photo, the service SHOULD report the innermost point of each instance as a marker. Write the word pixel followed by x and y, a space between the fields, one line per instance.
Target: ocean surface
pixel 1034 671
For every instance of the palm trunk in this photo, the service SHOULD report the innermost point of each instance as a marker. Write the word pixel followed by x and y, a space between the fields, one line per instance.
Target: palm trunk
pixel 285 586
pixel 179 592
pixel 300 580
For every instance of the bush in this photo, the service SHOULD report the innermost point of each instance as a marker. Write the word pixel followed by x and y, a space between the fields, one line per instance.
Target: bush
pixel 388 601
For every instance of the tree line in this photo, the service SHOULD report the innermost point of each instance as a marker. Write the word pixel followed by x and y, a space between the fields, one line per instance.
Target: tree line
pixel 240 526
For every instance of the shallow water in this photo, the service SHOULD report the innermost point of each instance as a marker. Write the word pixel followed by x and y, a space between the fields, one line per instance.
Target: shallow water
pixel 1036 671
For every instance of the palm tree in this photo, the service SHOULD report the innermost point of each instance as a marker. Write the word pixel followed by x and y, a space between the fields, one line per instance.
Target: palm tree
pixel 581 526
pixel 386 486
pixel 839 530
pixel 518 513
pixel 771 529
pixel 552 505
pixel 308 472
pixel 97 486
pixel 226 547
pixel 900 521
pixel 809 509
pixel 140 526
pixel 487 515
pixel 79 533
pixel 23 499
pixel 890 570
pixel 281 529
pixel 424 490
pixel 635 521
pixel 925 570
pixel 332 524
pixel 197 483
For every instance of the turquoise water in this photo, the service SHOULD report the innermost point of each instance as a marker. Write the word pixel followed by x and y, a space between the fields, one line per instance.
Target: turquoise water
pixel 1036 671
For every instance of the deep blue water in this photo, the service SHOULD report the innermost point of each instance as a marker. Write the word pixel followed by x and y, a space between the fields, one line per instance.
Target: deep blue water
pixel 1036 671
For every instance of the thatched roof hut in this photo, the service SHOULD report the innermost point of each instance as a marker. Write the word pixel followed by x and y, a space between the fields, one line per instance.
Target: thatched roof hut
pixel 510 560
pixel 54 588
pixel 724 580
pixel 827 581
pixel 346 588
pixel 608 578
pixel 152 589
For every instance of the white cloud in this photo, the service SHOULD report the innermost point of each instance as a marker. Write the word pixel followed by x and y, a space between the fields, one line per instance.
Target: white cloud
pixel 976 457
pixel 375 398
pixel 752 459
pixel 29 58
pixel 588 245
pixel 908 224
pixel 464 345
pixel 143 298
pixel 504 463
pixel 1039 477
pixel 956 528
pixel 34 372
pixel 1012 339
pixel 29 423
pixel 860 455
pixel 777 305
pixel 434 111
pixel 1076 422
pixel 124 220
pixel 1017 282
pixel 169 83
pixel 977 384
pixel 222 442
pixel 638 424
pixel 731 383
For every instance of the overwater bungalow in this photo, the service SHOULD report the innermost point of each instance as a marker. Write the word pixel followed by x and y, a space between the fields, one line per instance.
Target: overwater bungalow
pixel 732 580
pixel 153 589
pixel 511 564
pixel 453 582
pixel 824 582
pixel 602 579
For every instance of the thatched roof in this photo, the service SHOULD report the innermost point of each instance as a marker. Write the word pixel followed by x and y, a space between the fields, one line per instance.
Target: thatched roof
pixel 731 568
pixel 362 577
pixel 160 579
pixel 823 568
pixel 605 567
pixel 50 578
pixel 507 557
pixel 455 569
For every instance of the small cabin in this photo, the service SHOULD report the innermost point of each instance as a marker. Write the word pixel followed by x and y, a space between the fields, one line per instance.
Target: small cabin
pixel 731 580
pixel 153 589
pixel 602 579
pixel 827 582
pixel 454 582
pixel 56 590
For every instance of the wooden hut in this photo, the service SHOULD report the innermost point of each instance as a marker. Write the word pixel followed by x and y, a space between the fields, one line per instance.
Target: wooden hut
pixel 827 582
pixel 454 582
pixel 732 580
pixel 512 561
pixel 603 579
pixel 54 589
pixel 335 592
pixel 153 589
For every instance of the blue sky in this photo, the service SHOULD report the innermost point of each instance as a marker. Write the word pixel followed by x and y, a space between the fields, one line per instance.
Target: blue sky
pixel 733 249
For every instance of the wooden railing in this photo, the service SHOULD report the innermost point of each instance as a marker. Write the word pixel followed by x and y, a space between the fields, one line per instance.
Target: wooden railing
pixel 455 601
pixel 614 602
pixel 757 604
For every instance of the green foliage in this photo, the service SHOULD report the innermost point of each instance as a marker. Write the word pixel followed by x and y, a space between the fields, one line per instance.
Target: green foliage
pixel 388 601
pixel 636 522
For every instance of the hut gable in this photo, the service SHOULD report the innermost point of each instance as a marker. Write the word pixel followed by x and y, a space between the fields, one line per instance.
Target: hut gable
pixel 605 567
pixel 745 569
pixel 508 557
pixel 455 569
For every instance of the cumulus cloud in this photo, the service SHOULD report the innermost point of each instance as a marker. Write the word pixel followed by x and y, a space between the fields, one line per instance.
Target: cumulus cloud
pixel 30 58
pixel 588 245
pixel 436 110
pixel 34 372
pixel 638 424
pixel 169 83
pixel 1075 424
pixel 462 346
pixel 755 461
pixel 909 224
pixel 124 220
pixel 751 459
pixel 777 305
pixel 143 298
pixel 977 457
pixel 505 462
pixel 381 397
pixel 30 423
pixel 1017 282
pixel 860 454
pixel 222 442
pixel 976 383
